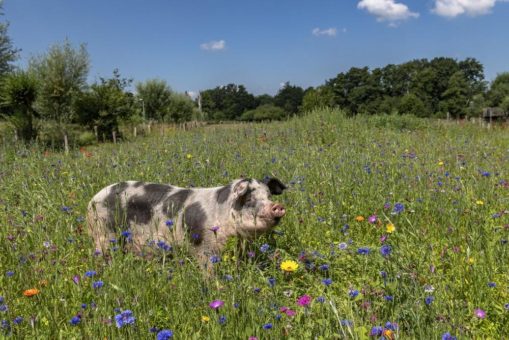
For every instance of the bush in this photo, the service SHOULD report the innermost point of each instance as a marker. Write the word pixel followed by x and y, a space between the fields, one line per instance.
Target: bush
pixel 264 112
pixel 52 135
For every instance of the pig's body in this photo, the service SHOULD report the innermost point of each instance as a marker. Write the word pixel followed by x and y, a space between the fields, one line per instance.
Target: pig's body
pixel 205 217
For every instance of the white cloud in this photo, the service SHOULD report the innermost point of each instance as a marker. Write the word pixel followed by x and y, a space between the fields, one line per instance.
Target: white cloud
pixel 214 45
pixel 453 8
pixel 331 32
pixel 387 10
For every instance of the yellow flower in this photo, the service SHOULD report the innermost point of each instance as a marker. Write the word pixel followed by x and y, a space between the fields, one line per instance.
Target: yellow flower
pixel 205 318
pixel 388 334
pixel 189 156
pixel 479 202
pixel 471 260
pixel 390 228
pixel 31 292
pixel 440 163
pixel 359 218
pixel 289 266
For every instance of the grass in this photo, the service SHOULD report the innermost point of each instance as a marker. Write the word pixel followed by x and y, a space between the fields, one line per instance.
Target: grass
pixel 449 247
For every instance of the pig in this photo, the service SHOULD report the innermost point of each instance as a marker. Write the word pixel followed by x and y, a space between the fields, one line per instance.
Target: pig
pixel 205 218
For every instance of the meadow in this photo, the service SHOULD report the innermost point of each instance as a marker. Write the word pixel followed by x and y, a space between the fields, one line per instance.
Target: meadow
pixel 398 228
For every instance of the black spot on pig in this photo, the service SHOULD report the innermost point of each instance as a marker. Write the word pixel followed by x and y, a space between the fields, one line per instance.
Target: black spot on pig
pixel 156 193
pixel 223 194
pixel 276 187
pixel 112 203
pixel 174 203
pixel 139 210
pixel 194 219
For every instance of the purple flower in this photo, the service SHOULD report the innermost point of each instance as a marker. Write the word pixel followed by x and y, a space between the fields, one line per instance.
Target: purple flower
pixel 342 246
pixel 90 273
pixel 267 326
pixel 216 304
pixel 165 334
pixel 304 300
pixel 478 312
pixel 169 223
pixel 376 331
pixel 448 336
pixel 327 281
pixel 353 293
pixel 97 284
pixel 398 208
pixel 385 250
pixel 76 279
pixel 429 300
pixel 363 250
pixel 264 247
pixel 372 219
pixel 215 259
pixel 75 320
pixel 124 318
pixel 214 229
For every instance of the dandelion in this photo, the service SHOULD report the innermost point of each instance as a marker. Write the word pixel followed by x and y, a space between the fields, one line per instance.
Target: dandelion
pixel 359 218
pixel 189 156
pixel 390 228
pixel 289 266
pixel 31 292
pixel 471 260
pixel 440 163
pixel 216 304
pixel 481 314
pixel 165 334
pixel 479 202
pixel 388 334
pixel 124 318
pixel 304 300
pixel 205 318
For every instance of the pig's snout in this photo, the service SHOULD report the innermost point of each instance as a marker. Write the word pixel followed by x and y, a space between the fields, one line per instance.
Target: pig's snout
pixel 278 210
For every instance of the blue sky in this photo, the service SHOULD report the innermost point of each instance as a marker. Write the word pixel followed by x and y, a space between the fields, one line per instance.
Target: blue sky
pixel 195 45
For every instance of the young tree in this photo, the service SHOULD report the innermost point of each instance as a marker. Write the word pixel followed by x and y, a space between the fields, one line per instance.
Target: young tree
pixel 62 74
pixel 499 89
pixel 156 96
pixel 8 53
pixel 455 98
pixel 180 109
pixel 18 94
pixel 289 98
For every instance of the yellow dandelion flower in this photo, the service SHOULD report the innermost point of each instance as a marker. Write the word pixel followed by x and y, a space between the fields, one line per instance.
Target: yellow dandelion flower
pixel 390 228
pixel 359 218
pixel 479 202
pixel 471 260
pixel 189 156
pixel 440 163
pixel 289 266
pixel 205 318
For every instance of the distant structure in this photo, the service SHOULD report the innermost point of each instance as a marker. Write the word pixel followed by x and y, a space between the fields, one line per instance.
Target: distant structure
pixel 491 114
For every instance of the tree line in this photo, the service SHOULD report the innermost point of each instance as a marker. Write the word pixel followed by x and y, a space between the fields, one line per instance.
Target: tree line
pixel 51 99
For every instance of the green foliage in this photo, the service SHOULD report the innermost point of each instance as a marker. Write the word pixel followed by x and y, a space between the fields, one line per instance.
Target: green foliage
pixel 106 104
pixel 62 74
pixel 18 94
pixel 499 89
pixel 455 98
pixel 449 240
pixel 180 109
pixel 8 54
pixel 50 135
pixel 226 102
pixel 289 98
pixel 317 98
pixel 155 95
pixel 264 112
pixel 412 105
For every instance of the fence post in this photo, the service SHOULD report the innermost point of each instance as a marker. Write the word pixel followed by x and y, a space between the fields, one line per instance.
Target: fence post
pixel 134 132
pixel 114 137
pixel 66 144
pixel 96 133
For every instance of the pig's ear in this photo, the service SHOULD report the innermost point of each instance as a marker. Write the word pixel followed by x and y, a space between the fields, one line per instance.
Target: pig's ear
pixel 240 189
pixel 276 187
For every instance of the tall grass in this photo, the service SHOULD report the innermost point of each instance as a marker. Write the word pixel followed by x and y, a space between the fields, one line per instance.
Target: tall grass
pixel 447 256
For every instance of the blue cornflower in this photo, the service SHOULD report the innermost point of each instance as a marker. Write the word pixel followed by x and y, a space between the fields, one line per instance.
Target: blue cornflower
pixel 389 298
pixel 278 317
pixel 429 300
pixel 264 247
pixel 324 267
pixel 75 320
pixel 215 259
pixel 66 209
pixel 506 306
pixel 222 320
pixel 320 299
pixel 485 174
pixel 228 277
pixel 385 250
pixel 3 308
pixel 124 318
pixel 363 250
pixel 492 284
pixel 9 273
pixel 267 326
pixel 346 323
pixel 391 326
pixel 344 229
pixel 272 281
pixel 376 331
pixel 84 306
pixel 90 273
pixel 17 320
pixel 165 334
pixel 342 246
pixel 169 224
pixel 97 284
pixel 163 245
pixel 127 235
pixel 327 281
pixel 353 293
pixel 398 208
pixel 448 336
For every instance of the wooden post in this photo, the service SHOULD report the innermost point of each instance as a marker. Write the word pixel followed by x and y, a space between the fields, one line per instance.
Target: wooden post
pixel 134 132
pixel 15 135
pixel 66 144
pixel 114 137
pixel 96 132
pixel 148 128
pixel 162 130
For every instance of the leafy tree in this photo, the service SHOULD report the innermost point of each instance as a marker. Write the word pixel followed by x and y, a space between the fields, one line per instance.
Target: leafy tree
pixel 18 95
pixel 411 104
pixel 8 53
pixel 62 74
pixel 455 98
pixel 180 109
pixel 499 89
pixel 106 104
pixel 156 96
pixel 289 98
pixel 227 102
pixel 476 106
pixel 474 74
pixel 264 99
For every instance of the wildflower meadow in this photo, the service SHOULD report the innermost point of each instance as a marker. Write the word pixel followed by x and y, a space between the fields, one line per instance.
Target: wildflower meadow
pixel 396 228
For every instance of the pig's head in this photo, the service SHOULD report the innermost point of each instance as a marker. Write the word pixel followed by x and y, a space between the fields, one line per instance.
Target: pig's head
pixel 253 210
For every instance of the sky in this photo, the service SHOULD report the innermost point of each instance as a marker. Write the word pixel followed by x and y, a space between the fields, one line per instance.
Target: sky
pixel 196 45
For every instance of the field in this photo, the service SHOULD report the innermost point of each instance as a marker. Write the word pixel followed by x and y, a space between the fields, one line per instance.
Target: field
pixel 399 227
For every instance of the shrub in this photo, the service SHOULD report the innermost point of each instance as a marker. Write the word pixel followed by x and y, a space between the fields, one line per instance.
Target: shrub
pixel 264 112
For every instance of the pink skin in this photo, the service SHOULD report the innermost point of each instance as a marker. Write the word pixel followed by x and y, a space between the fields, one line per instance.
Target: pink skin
pixel 273 210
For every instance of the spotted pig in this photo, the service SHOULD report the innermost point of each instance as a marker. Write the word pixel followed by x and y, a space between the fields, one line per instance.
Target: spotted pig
pixel 151 213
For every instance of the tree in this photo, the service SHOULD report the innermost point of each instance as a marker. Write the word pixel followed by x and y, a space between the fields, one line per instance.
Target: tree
pixel 18 95
pixel 499 89
pixel 227 102
pixel 411 104
pixel 8 53
pixel 180 109
pixel 289 98
pixel 156 96
pixel 455 98
pixel 264 112
pixel 62 74
pixel 106 104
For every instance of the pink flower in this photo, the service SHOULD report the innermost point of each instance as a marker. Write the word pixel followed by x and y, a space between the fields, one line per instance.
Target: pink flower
pixel 479 313
pixel 216 304
pixel 304 300
pixel 372 219
pixel 253 338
